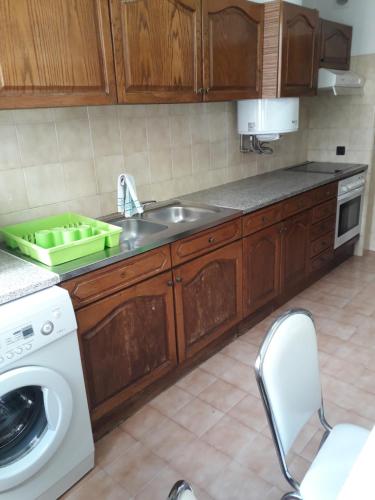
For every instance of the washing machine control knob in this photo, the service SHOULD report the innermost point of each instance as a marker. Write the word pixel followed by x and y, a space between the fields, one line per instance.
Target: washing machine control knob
pixel 47 328
pixel 19 350
pixel 10 355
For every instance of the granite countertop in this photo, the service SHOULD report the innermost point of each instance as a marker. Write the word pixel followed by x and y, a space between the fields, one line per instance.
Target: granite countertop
pixel 19 278
pixel 256 192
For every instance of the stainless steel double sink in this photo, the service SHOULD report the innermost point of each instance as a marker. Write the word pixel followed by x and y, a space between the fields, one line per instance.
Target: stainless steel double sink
pixel 165 222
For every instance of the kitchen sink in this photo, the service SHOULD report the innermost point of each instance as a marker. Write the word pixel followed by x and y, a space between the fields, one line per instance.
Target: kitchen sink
pixel 136 231
pixel 179 214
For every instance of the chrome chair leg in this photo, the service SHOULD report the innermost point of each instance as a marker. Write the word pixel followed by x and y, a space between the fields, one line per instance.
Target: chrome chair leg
pixel 292 495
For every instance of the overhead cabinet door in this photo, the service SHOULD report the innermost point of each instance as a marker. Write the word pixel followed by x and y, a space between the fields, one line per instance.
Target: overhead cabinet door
pixel 335 45
pixel 232 48
pixel 157 50
pixel 55 53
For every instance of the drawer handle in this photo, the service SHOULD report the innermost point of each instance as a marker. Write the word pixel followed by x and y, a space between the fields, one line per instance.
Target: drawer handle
pixel 178 279
pixel 211 239
pixel 264 219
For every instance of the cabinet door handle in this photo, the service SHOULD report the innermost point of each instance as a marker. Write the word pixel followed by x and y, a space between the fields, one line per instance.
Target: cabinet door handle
pixel 170 283
pixel 199 91
pixel 178 279
pixel 211 239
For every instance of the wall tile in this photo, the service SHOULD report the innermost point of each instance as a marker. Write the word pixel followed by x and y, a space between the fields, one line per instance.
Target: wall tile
pixel 74 140
pixel 158 132
pixel 12 191
pixel 201 157
pixel 160 165
pixel 27 116
pixel 45 184
pixel 134 135
pixel 182 162
pixel 80 179
pixel 180 130
pixel 38 143
pixel 9 154
pixel 138 166
pixel 105 136
pixel 67 114
pixel 6 117
pixel 107 169
pixel 199 129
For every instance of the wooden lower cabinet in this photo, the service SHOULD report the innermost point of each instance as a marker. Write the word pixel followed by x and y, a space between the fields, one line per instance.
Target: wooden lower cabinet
pixel 127 342
pixel 261 268
pixel 295 250
pixel 208 298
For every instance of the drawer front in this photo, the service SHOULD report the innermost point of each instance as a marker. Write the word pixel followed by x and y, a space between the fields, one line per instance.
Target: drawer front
pixel 263 218
pixel 322 260
pixel 323 211
pixel 323 227
pixel 205 241
pixel 297 204
pixel 324 193
pixel 321 244
pixel 99 284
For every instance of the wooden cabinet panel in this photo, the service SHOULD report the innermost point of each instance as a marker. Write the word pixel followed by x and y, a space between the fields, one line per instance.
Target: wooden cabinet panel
pixel 262 218
pixel 322 261
pixel 295 250
pixel 322 244
pixel 335 45
pixel 127 342
pixel 300 38
pixel 324 193
pixel 261 268
pixel 203 242
pixel 208 298
pixel 324 210
pixel 98 284
pixel 326 226
pixel 232 48
pixel 158 55
pixel 297 204
pixel 55 53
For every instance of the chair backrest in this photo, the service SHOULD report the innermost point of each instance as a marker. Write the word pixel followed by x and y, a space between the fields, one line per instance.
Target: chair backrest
pixel 181 491
pixel 287 370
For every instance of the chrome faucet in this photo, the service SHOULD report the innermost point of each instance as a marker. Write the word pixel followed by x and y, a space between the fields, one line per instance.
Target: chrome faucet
pixel 145 204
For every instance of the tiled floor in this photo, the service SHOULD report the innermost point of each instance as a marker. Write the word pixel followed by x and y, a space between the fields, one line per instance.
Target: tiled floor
pixel 210 427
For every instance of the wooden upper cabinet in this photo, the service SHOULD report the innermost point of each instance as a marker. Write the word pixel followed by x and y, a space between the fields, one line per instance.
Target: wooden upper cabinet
pixel 157 50
pixel 232 49
pixel 55 53
pixel 290 67
pixel 335 45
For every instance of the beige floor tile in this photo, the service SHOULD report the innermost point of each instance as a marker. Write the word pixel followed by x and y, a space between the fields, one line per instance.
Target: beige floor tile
pixel 229 436
pixel 97 485
pixel 242 351
pixel 198 416
pixel 196 381
pixel 366 381
pixel 343 370
pixel 145 419
pixel 218 364
pixel 237 482
pixel 168 439
pixel 171 401
pixel 243 377
pixel 222 395
pixel 134 470
pixel 112 446
pixel 250 412
pixel 200 463
pixel 334 328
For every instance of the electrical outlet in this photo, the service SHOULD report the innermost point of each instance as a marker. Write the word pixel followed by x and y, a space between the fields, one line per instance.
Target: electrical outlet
pixel 340 151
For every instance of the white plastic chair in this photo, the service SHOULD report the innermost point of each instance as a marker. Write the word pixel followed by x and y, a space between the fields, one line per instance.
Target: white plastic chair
pixel 181 491
pixel 287 372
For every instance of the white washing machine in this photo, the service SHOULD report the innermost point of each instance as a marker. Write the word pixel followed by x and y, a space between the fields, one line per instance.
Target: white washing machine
pixel 46 442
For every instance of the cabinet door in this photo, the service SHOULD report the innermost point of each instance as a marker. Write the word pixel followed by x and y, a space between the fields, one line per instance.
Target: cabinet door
pixel 295 250
pixel 261 268
pixel 55 53
pixel 299 64
pixel 208 298
pixel 232 47
pixel 335 45
pixel 157 50
pixel 127 342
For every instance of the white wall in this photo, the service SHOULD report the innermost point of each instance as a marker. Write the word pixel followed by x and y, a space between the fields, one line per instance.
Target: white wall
pixel 358 13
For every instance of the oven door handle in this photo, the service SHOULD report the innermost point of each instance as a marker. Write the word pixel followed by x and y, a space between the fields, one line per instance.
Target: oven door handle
pixel 352 194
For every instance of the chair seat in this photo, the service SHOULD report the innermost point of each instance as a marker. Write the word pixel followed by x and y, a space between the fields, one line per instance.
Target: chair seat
pixel 332 464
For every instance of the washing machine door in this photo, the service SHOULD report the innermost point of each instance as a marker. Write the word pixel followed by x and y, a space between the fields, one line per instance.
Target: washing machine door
pixel 35 412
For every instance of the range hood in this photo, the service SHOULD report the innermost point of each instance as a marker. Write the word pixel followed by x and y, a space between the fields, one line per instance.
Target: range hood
pixel 340 82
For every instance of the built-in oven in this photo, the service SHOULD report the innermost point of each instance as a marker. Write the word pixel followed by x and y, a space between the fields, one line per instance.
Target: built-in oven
pixel 349 208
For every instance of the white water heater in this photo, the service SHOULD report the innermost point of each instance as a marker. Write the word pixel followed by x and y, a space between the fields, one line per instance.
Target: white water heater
pixel 268 118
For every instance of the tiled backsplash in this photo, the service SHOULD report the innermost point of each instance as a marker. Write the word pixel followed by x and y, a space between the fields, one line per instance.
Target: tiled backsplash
pixel 53 160
pixel 348 121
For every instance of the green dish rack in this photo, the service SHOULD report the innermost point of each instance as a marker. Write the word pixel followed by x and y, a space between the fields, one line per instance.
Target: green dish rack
pixel 61 238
